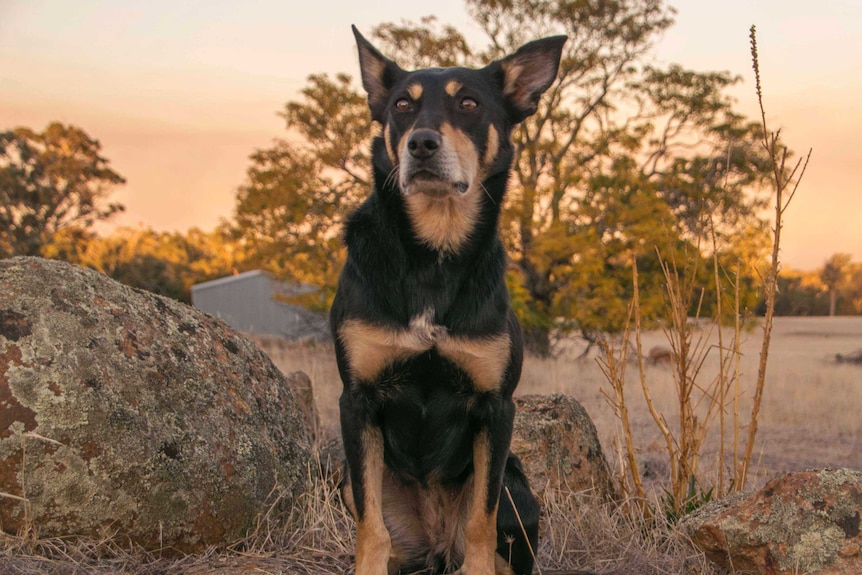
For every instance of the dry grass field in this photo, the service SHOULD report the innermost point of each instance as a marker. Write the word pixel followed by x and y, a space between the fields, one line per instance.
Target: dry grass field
pixel 812 406
pixel 810 418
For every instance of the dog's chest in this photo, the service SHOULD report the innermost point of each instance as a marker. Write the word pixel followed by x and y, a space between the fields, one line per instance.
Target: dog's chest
pixel 372 349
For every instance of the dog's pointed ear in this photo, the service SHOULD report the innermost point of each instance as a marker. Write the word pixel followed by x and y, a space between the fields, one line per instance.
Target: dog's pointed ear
pixel 379 74
pixel 528 73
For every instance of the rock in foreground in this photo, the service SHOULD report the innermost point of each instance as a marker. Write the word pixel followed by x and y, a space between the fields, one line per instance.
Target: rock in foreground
pixel 804 522
pixel 559 447
pixel 123 413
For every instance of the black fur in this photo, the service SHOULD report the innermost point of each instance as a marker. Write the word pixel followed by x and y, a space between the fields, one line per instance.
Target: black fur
pixel 428 408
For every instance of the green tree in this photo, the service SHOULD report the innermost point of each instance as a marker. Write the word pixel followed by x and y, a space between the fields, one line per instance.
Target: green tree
pixel 664 145
pixel 834 275
pixel 297 194
pixel 854 289
pixel 799 294
pixel 165 263
pixel 49 181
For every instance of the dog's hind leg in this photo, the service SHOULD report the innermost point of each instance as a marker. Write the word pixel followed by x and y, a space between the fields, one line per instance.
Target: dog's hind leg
pixel 512 547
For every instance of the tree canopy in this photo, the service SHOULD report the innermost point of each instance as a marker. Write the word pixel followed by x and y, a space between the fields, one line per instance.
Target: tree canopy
pixel 623 161
pixel 165 263
pixel 50 181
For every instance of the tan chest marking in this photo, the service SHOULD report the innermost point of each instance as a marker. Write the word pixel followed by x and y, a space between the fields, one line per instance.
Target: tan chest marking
pixel 371 348
pixel 484 359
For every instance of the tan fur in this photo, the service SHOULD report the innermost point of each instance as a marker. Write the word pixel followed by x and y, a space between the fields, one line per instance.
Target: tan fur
pixel 493 145
pixel 453 86
pixel 426 522
pixel 481 532
pixel 373 544
pixel 347 496
pixel 415 91
pixel 502 567
pixel 370 348
pixel 445 220
pixel 484 359
pixel 387 140
pixel 465 150
pixel 444 223
pixel 512 72
pixel 402 144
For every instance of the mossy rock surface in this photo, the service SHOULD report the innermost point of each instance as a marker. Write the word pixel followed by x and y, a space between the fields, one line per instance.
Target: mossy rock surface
pixel 558 445
pixel 130 415
pixel 802 522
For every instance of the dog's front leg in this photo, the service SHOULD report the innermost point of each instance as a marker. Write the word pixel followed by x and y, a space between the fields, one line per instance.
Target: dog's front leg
pixel 481 531
pixel 363 446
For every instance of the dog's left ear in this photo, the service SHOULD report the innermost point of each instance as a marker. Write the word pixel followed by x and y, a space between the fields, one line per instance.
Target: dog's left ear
pixel 379 74
pixel 528 73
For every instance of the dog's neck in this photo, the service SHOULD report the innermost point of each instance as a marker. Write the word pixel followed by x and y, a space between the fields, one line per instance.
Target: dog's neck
pixel 449 227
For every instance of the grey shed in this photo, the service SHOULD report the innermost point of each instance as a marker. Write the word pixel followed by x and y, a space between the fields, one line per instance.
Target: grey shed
pixel 248 302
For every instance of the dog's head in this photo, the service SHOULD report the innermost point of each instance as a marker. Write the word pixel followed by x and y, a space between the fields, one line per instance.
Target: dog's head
pixel 446 129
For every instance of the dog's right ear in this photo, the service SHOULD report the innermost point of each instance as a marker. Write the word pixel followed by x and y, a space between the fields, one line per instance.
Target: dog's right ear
pixel 379 74
pixel 528 73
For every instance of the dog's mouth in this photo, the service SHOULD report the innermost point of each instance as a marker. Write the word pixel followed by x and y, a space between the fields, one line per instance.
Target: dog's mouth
pixel 424 181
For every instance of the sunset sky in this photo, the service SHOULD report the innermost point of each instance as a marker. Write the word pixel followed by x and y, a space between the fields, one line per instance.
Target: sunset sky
pixel 180 92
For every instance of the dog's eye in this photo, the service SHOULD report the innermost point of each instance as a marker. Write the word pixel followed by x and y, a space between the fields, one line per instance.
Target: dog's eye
pixel 469 104
pixel 402 105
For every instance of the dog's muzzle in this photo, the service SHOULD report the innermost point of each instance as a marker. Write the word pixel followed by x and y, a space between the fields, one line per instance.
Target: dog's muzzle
pixel 429 169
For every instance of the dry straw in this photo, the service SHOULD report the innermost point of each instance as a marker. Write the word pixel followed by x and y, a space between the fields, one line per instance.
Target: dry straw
pixel 702 398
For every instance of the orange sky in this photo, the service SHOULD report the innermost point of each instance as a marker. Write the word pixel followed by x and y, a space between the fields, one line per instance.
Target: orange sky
pixel 180 93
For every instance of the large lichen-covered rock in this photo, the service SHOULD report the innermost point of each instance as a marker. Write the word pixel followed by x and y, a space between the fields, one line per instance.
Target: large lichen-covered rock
pixel 127 414
pixel 559 447
pixel 803 522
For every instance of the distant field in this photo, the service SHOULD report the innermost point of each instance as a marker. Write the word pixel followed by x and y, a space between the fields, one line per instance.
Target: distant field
pixel 811 414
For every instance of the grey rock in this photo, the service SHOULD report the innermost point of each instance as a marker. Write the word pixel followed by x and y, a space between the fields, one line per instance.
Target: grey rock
pixel 802 522
pixel 123 413
pixel 559 447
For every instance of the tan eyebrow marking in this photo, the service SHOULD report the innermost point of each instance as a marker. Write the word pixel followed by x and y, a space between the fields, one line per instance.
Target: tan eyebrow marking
pixel 453 86
pixel 415 90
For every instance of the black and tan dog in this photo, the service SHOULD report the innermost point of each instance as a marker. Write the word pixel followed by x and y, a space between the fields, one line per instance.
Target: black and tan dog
pixel 427 344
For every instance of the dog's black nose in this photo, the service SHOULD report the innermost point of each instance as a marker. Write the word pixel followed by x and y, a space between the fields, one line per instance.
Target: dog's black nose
pixel 423 144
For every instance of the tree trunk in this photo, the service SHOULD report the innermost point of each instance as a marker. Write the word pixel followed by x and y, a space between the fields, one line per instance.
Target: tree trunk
pixel 833 299
pixel 537 340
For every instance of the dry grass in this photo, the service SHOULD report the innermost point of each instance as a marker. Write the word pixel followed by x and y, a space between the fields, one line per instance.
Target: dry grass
pixel 809 418
pixel 579 531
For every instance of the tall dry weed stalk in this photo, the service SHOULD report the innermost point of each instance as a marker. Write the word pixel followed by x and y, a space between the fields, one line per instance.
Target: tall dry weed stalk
pixel 702 399
pixel 782 180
